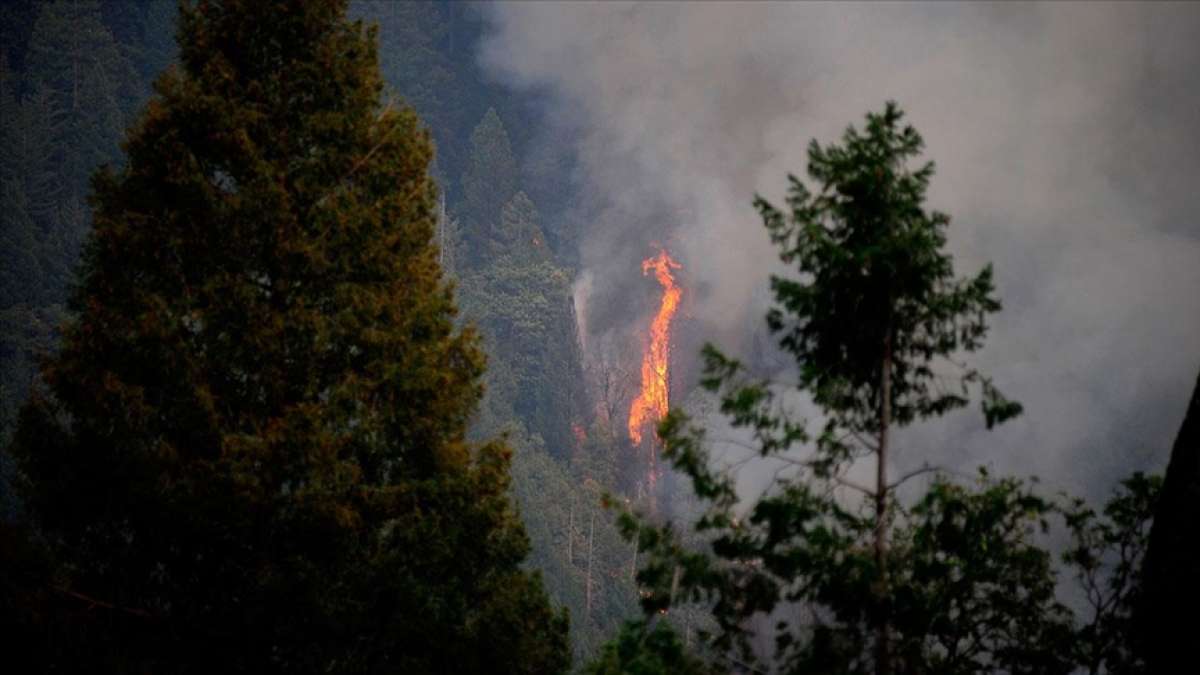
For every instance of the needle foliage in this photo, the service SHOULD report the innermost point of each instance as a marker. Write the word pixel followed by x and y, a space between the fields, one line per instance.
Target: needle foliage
pixel 250 453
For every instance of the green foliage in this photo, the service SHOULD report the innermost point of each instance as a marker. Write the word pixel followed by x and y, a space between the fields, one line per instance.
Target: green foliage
pixel 75 58
pixel 61 114
pixel 957 580
pixel 518 233
pixel 521 301
pixel 873 278
pixel 252 448
pixel 973 584
pixel 642 650
pixel 514 290
pixel 1107 556
pixel 973 590
pixel 34 268
pixel 146 34
pixel 569 531
pixel 409 55
pixel 428 56
pixel 488 183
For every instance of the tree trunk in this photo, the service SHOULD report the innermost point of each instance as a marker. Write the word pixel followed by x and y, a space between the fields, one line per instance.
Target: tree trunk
pixel 571 534
pixel 75 80
pixel 883 655
pixel 441 226
pixel 633 566
pixel 588 587
pixel 674 585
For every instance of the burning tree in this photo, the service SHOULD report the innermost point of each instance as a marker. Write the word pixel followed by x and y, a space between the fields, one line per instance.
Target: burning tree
pixel 653 400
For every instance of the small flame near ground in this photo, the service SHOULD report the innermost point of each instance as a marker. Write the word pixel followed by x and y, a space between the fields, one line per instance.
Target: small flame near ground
pixel 653 401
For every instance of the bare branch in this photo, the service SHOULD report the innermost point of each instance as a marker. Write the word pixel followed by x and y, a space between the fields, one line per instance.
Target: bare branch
pixel 94 603
pixel 365 158
pixel 855 486
pixel 926 468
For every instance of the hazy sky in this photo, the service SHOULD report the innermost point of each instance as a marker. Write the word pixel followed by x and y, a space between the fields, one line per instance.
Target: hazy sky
pixel 1067 141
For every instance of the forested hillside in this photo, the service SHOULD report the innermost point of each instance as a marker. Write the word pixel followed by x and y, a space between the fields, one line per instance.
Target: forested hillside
pixel 74 76
pixel 508 241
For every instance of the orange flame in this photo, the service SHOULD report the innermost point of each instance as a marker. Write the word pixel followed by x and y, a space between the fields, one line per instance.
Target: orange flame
pixel 652 400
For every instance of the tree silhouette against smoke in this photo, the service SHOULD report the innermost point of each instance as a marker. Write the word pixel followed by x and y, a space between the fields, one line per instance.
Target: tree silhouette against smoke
pixel 954 581
pixel 1166 622
pixel 875 310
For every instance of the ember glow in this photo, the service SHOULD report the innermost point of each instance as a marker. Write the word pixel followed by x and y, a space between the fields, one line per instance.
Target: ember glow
pixel 652 402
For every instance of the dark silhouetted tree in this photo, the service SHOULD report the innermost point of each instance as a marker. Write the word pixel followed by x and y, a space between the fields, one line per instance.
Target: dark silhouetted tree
pixel 1166 620
pixel 1107 556
pixel 251 454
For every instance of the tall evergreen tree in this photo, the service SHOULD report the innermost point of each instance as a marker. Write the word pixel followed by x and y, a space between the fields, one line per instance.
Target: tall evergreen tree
pixel 409 56
pixel 877 305
pixel 489 182
pixel 145 33
pixel 523 305
pixel 60 120
pixel 35 253
pixel 251 455
pixel 29 191
pixel 74 56
pixel 877 322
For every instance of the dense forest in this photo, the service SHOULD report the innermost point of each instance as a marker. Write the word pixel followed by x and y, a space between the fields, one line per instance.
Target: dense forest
pixel 293 379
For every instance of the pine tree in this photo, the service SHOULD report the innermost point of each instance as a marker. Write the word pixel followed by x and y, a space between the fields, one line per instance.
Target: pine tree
pixel 522 303
pixel 251 455
pixel 877 305
pixel 409 56
pixel 26 192
pixel 33 263
pixel 489 182
pixel 76 59
pixel 60 115
pixel 517 234
pixel 145 33
pixel 877 323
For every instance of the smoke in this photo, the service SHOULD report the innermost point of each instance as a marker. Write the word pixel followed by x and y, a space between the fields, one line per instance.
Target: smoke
pixel 1067 140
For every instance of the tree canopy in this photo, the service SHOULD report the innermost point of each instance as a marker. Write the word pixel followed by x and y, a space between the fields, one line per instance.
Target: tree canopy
pixel 252 450
pixel 822 573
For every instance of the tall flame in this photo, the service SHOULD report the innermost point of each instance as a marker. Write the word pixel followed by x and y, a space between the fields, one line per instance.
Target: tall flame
pixel 652 400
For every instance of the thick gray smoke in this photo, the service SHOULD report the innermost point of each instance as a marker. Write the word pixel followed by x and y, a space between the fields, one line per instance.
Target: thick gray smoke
pixel 1067 140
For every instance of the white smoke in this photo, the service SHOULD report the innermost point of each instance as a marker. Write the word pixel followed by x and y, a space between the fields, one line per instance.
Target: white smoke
pixel 1067 139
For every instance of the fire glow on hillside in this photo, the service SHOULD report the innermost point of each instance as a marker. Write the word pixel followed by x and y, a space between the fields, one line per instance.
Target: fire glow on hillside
pixel 652 401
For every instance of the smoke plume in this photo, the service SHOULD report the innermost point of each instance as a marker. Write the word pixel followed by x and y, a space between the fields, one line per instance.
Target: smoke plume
pixel 1067 141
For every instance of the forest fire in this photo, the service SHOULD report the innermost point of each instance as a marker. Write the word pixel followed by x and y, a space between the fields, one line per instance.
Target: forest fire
pixel 653 401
